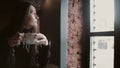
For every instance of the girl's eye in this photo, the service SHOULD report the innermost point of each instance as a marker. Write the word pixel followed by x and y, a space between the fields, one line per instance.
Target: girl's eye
pixel 31 11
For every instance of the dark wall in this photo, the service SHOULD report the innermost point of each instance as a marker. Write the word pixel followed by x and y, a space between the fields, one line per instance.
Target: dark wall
pixel 49 13
pixel 50 26
pixel 6 13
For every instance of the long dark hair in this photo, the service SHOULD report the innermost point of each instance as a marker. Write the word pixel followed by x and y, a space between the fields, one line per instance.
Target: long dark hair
pixel 19 14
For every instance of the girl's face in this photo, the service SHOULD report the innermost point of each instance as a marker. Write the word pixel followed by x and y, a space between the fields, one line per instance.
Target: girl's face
pixel 31 19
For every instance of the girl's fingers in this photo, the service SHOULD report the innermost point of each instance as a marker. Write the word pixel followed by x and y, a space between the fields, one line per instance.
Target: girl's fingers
pixel 40 36
pixel 16 39
pixel 20 36
pixel 41 39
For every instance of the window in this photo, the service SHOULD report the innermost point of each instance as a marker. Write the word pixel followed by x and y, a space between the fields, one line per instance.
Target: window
pixel 101 15
pixel 101 34
pixel 102 52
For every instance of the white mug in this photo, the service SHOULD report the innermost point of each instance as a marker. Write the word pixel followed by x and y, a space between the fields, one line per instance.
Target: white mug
pixel 29 38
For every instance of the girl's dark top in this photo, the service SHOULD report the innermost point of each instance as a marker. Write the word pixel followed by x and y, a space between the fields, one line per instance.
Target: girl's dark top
pixel 23 56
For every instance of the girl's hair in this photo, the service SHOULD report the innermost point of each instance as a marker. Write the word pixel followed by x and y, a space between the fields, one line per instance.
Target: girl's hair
pixel 20 14
pixel 18 19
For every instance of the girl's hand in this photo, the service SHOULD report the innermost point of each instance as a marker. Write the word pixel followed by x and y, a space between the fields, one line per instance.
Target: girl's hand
pixel 41 39
pixel 16 39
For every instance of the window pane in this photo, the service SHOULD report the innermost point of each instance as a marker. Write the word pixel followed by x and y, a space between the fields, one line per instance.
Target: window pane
pixel 101 15
pixel 102 52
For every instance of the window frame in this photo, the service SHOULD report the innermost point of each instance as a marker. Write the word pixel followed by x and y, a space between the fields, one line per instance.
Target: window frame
pixel 87 34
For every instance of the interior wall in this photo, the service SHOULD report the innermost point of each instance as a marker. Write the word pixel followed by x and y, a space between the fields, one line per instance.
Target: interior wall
pixel 50 26
pixel 75 21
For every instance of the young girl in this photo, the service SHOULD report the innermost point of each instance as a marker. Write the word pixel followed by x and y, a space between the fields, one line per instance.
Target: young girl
pixel 22 55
